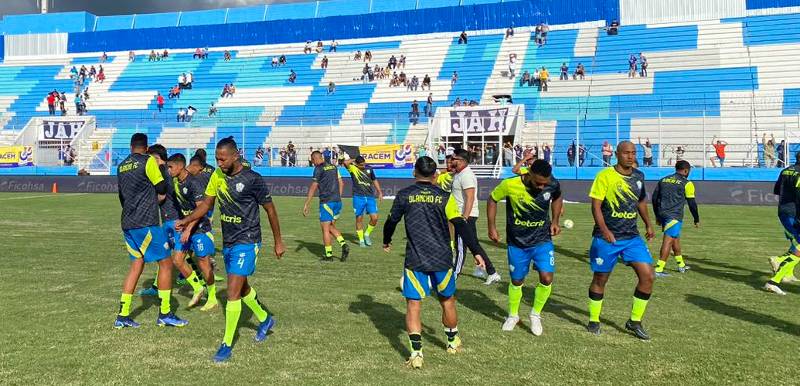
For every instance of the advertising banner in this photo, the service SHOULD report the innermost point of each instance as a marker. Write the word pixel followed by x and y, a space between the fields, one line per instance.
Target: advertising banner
pixel 15 156
pixel 383 156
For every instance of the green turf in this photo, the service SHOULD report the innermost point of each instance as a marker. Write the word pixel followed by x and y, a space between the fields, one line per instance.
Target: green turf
pixel 63 261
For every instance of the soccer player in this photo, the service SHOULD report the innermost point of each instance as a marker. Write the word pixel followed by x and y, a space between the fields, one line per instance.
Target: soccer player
pixel 365 187
pixel 240 192
pixel 197 237
pixel 445 179
pixel 618 199
pixel 522 166
pixel 787 190
pixel 669 197
pixel 141 187
pixel 465 193
pixel 327 179
pixel 529 232
pixel 428 258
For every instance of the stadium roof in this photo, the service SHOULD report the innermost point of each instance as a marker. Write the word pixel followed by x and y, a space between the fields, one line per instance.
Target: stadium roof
pixel 125 7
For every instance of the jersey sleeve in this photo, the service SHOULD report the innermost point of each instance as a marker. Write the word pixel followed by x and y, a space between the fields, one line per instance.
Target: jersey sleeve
pixel 500 191
pixel 599 187
pixel 152 171
pixel 195 190
pixel 643 191
pixel 352 169
pixel 690 190
pixel 261 191
pixel 372 175
pixel 317 174
pixel 213 182
pixel 398 207
pixel 556 190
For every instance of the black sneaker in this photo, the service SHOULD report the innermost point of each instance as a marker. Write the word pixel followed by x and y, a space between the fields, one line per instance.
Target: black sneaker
pixel 345 252
pixel 593 328
pixel 326 259
pixel 637 329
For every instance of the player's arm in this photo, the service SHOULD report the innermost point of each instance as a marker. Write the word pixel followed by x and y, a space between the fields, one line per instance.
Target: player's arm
pixel 341 182
pixel 556 208
pixel 518 166
pixel 156 178
pixel 310 196
pixel 500 192
pixel 199 212
pixel 657 203
pixel 692 203
pixel 777 188
pixel 274 224
pixel 378 189
pixel 642 209
pixel 395 215
pixel 598 194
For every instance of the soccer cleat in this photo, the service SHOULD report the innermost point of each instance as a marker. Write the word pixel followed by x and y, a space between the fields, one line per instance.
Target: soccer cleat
pixel 773 288
pixel 218 278
pixel 415 360
pixel 493 278
pixel 196 298
pixel 264 328
pixel 510 323
pixel 223 354
pixel 479 273
pixel 536 324
pixel 684 269
pixel 662 274
pixel 637 329
pixel 774 264
pixel 362 244
pixel 345 252
pixel 170 320
pixel 593 328
pixel 326 259
pixel 367 240
pixel 151 291
pixel 211 304
pixel 789 279
pixel 125 321
pixel 455 346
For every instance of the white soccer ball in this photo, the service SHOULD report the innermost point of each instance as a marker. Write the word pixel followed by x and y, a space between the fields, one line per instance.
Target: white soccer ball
pixel 568 224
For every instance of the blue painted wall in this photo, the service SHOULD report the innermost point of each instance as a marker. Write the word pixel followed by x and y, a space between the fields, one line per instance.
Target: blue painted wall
pixel 758 4
pixel 213 16
pixel 156 20
pixel 48 23
pixel 291 11
pixel 246 14
pixel 107 23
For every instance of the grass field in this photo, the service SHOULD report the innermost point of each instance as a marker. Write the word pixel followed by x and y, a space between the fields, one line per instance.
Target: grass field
pixel 63 262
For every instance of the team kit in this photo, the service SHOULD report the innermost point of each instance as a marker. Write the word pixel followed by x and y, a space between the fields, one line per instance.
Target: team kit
pixel 168 203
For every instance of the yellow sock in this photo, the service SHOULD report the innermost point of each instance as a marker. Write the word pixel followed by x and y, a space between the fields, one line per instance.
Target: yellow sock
pixel 660 264
pixel 164 295
pixel 679 259
pixel 125 304
pixel 328 251
pixel 369 230
pixel 360 234
pixel 340 239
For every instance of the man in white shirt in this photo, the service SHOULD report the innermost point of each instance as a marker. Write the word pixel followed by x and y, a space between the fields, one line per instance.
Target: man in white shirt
pixel 465 192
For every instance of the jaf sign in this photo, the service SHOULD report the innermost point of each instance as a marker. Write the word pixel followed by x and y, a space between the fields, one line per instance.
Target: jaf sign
pixel 479 120
pixel 15 156
pixel 60 130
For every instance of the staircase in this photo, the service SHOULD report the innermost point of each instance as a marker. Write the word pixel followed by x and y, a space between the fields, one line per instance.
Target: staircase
pixel 485 171
pixel 89 149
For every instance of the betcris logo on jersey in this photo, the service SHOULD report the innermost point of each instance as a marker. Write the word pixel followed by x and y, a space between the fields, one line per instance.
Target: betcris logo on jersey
pixel 231 219
pixel 528 224
pixel 624 215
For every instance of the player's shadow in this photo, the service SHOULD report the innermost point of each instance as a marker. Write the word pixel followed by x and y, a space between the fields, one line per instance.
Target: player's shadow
pixel 478 302
pixel 153 301
pixel 390 323
pixel 582 257
pixel 740 313
pixel 724 271
pixel 315 248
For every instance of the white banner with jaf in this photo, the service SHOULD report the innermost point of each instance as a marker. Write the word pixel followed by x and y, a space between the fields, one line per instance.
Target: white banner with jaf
pixel 478 120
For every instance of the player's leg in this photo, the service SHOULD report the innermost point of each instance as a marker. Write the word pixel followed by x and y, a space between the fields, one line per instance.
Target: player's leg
pixel 360 230
pixel 233 310
pixel 450 322
pixel 785 268
pixel 602 257
pixel 414 329
pixel 126 299
pixel 666 249
pixel 519 262
pixel 179 262
pixel 677 252
pixel 335 208
pixel 265 320
pixel 326 240
pixel 372 211
pixel 493 276
pixel 203 249
pixel 544 263
pixel 638 257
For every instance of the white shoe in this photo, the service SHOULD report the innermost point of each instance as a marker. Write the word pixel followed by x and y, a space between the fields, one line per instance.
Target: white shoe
pixel 536 324
pixel 773 288
pixel 493 278
pixel 196 297
pixel 510 323
pixel 479 273
pixel 789 279
pixel 773 263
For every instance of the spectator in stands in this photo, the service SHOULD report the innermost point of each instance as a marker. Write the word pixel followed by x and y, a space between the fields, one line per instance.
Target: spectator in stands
pixel 518 151
pixel 198 53
pixel 307 48
pixel 51 103
pixel 258 159
pixel 512 65
pixel 212 110
pixel 331 87
pixel 581 154
pixel 205 52
pixel 426 81
pixel 291 154
pixel 69 156
pixel 462 39
pixel 101 75
pixel 392 62
pixel 571 154
pixel 547 153
pixel 274 61
pixel 310 150
pixel 326 154
pixel 544 75
pixel 402 62
pixel 781 151
pixel 152 56
pixel 190 111
pixel 182 81
pixel 175 92
pixel 324 63
pixel 333 46
pixel 367 56
pixel 319 46
pixel 509 32
pixel 131 56
pixel 679 153
pixel 62 102
pixel 403 79
pixel 232 90
pixel 414 114
pixel 607 151
pixel 769 150
pixel 181 115
pixel 357 56
pixel 82 72
pixel 226 56
pixel 292 76
pixel 647 160
pixel 454 79
pixel 103 57
pixel 545 29
pixel 526 78
pixel 159 102
pixel 508 154
pixel 632 66
pixel 457 102
pixel 165 54
pixel 537 78
pixel 429 105
pixel 226 91
pixel 719 150
pixel 413 84
pixel 564 72
pixel 386 72
pixel 579 72
pixel 282 60
pixel 189 80
pixel 643 64
pixel 284 156
pixel 85 94
pixel 395 80
pixel 92 72
pixel 73 73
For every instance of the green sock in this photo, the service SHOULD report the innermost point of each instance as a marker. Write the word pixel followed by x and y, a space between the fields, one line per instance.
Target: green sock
pixel 360 234
pixel 540 297
pixel 595 306
pixel 639 305
pixel 212 292
pixel 194 281
pixel 660 264
pixel 164 295
pixel 340 239
pixel 232 311
pixel 328 251
pixel 251 301
pixel 514 297
pixel 679 259
pixel 369 230
pixel 125 304
pixel 786 268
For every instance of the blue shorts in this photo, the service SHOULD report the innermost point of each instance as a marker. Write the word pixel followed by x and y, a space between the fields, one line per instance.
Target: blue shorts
pixel 329 211
pixel 790 231
pixel 169 230
pixel 240 259
pixel 148 243
pixel 672 227
pixel 520 259
pixel 365 204
pixel 603 255
pixel 202 244
pixel 418 285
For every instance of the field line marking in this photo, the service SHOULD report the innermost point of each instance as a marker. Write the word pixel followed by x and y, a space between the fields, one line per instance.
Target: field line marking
pixel 43 195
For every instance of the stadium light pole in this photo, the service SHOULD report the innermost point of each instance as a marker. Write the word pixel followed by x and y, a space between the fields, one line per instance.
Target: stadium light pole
pixel 44 5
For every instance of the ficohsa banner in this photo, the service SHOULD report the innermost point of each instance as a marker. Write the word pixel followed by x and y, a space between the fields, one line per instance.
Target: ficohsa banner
pixel 15 156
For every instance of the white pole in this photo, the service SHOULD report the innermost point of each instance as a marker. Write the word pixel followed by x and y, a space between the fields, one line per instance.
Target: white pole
pixel 44 5
pixel 660 144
